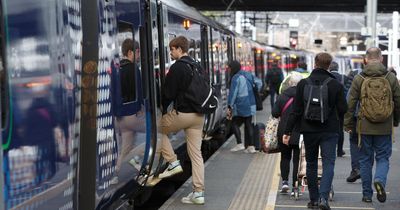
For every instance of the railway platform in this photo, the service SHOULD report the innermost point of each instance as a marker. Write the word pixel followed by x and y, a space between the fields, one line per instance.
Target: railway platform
pixel 240 181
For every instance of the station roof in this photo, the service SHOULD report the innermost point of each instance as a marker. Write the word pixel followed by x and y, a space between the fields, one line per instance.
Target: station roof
pixel 293 5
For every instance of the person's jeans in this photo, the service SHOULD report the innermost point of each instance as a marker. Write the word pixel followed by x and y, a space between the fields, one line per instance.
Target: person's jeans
pixel 354 151
pixel 327 141
pixel 382 146
pixel 341 136
pixel 272 91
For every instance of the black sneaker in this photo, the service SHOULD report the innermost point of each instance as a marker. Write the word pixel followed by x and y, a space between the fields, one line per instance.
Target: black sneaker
pixel 312 205
pixel 354 175
pixel 323 204
pixel 366 199
pixel 380 192
pixel 340 154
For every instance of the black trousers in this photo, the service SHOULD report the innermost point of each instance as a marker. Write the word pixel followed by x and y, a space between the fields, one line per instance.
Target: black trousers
pixel 248 130
pixel 286 157
pixel 341 136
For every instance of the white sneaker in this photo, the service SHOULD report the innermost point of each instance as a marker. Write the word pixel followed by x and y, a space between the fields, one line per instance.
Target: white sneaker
pixel 173 168
pixel 238 147
pixel 250 149
pixel 114 180
pixel 194 198
pixel 285 187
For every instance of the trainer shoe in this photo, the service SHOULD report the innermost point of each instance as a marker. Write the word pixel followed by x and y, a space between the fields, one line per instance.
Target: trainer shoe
pixel 173 168
pixel 312 205
pixel 380 192
pixel 354 175
pixel 285 187
pixel 366 199
pixel 250 149
pixel 323 204
pixel 238 147
pixel 194 198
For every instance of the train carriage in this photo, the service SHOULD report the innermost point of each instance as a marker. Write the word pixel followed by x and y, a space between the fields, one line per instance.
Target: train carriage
pixel 70 139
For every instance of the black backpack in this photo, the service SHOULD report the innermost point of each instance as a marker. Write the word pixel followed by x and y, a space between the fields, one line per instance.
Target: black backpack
pixel 316 101
pixel 200 94
pixel 275 76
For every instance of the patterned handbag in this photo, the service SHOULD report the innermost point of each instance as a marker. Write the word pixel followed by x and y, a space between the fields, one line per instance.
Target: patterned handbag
pixel 271 130
pixel 271 137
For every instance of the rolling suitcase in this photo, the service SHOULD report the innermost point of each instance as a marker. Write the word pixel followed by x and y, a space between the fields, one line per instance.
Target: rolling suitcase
pixel 259 140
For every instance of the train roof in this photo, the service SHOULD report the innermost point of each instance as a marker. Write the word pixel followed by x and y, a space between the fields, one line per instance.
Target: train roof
pixel 183 9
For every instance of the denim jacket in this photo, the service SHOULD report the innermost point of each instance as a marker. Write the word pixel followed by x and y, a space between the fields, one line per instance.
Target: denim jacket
pixel 241 96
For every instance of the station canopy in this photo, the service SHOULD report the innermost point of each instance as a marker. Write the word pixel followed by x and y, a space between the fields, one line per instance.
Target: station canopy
pixel 385 6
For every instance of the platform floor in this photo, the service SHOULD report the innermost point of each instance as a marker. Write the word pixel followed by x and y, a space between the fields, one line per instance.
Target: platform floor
pixel 239 181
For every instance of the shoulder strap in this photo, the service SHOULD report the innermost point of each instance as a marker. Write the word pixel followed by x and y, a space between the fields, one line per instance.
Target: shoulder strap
pixel 327 80
pixel 287 104
pixel 309 81
pixel 387 74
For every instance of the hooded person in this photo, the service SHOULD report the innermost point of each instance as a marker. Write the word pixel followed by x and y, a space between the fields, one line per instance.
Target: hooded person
pixel 241 106
pixel 282 108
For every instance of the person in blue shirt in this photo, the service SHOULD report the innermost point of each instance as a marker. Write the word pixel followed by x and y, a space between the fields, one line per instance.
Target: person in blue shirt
pixel 241 105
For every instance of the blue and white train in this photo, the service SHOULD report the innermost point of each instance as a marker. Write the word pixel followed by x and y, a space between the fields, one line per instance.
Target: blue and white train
pixel 69 141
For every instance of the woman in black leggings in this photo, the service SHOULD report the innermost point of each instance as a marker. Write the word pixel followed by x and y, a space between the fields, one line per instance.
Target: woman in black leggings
pixel 282 109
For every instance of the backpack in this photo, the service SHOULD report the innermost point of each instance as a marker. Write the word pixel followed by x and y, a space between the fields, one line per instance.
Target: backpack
pixel 200 94
pixel 257 96
pixel 376 103
pixel 316 101
pixel 275 76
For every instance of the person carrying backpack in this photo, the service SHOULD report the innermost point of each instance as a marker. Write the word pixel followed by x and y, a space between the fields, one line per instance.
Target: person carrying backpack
pixel 241 106
pixel 274 79
pixel 318 102
pixel 378 93
pixel 334 69
pixel 184 116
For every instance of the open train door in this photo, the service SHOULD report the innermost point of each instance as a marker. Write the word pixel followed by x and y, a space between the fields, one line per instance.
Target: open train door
pixel 3 111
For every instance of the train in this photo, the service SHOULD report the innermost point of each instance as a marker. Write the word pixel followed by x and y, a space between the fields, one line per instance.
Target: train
pixel 69 140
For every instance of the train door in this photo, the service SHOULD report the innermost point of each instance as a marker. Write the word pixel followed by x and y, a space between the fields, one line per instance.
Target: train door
pixel 132 109
pixel 3 101
pixel 151 75
pixel 40 96
pixel 259 62
pixel 175 25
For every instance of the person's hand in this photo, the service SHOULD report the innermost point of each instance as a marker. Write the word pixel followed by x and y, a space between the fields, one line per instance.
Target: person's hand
pixel 348 130
pixel 229 114
pixel 285 139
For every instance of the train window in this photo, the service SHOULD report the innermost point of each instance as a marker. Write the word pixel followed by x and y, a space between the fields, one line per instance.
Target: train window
pixel 168 61
pixel 129 53
pixel 192 48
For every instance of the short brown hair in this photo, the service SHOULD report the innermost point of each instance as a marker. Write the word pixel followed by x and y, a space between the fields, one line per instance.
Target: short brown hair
pixel 323 60
pixel 127 45
pixel 373 53
pixel 180 42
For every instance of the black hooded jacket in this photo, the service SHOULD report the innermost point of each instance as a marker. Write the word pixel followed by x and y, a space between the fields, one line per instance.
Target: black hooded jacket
pixel 127 77
pixel 277 112
pixel 337 106
pixel 176 81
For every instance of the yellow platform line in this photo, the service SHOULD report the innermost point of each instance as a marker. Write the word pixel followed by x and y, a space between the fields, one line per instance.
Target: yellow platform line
pixel 332 207
pixel 274 186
